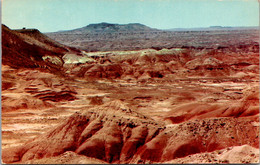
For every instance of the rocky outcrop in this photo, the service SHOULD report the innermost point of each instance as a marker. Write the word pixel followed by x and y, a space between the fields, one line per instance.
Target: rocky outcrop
pixel 19 52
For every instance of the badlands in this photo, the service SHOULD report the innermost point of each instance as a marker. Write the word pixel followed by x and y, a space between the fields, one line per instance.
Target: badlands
pixel 184 104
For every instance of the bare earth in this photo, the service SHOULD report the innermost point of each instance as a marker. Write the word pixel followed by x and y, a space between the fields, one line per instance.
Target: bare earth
pixel 177 105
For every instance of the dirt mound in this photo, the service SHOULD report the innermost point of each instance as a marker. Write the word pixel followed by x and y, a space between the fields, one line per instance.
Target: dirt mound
pixel 104 71
pixel 114 133
pixel 57 96
pixel 33 89
pixel 96 100
pixel 241 154
pixel 23 102
pixel 172 63
pixel 237 154
pixel 247 106
pixel 196 137
pixel 136 64
pixel 205 63
pixel 98 132
pixel 209 67
pixel 67 158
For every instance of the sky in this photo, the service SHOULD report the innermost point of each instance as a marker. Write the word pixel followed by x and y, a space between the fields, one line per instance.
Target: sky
pixel 55 15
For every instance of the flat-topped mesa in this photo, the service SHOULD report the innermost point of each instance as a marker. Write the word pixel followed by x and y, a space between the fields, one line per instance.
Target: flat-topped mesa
pixel 112 28
pixel 135 36
pixel 24 30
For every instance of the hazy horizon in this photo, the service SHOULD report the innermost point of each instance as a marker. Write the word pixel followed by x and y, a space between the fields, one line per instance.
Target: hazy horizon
pixel 59 15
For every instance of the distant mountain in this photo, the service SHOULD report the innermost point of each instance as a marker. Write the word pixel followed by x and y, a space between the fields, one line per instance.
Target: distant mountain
pixel 110 28
pixel 135 36
pixel 215 28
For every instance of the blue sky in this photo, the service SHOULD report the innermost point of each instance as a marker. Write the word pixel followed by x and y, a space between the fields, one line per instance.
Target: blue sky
pixel 55 15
